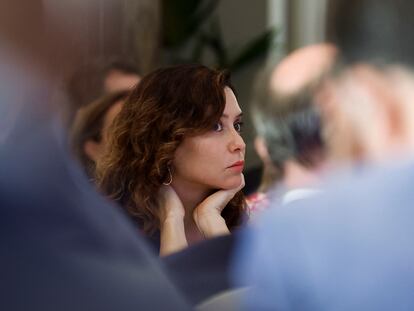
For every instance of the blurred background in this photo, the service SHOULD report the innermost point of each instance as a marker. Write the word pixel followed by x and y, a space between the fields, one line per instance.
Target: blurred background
pixel 239 35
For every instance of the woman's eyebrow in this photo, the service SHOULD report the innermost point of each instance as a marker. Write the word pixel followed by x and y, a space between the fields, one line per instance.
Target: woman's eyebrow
pixel 226 116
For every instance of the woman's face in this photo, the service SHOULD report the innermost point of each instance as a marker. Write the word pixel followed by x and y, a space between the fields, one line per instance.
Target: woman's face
pixel 213 160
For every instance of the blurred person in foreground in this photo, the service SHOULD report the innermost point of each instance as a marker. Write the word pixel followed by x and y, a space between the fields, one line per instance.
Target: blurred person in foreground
pixel 63 246
pixel 90 129
pixel 289 137
pixel 352 247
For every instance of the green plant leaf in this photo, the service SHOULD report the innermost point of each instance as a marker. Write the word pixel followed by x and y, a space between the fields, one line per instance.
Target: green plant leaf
pixel 197 52
pixel 204 12
pixel 182 18
pixel 255 49
pixel 215 42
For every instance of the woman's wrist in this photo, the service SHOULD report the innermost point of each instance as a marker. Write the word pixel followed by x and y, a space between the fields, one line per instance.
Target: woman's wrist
pixel 173 237
pixel 211 224
pixel 172 220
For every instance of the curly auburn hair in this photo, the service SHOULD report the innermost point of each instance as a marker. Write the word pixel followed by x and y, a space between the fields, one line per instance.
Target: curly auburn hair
pixel 167 106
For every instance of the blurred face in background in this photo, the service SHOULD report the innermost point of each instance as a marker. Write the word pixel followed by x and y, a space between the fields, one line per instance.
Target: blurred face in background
pixel 369 113
pixel 119 81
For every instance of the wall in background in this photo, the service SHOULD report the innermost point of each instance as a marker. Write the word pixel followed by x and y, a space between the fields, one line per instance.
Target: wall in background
pixel 306 22
pixel 241 21
pixel 298 23
pixel 109 27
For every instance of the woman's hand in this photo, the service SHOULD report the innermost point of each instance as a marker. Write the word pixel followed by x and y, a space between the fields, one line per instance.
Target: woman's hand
pixel 171 221
pixel 207 215
pixel 170 204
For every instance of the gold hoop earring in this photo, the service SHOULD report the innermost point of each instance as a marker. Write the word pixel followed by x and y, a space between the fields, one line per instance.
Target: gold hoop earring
pixel 170 179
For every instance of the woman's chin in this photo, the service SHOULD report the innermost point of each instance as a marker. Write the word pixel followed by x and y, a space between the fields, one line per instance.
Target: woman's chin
pixel 231 183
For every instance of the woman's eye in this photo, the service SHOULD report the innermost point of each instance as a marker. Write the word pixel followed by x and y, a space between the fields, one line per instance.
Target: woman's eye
pixel 238 126
pixel 218 127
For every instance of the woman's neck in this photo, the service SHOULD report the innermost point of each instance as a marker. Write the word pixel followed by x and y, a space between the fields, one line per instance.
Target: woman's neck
pixel 191 195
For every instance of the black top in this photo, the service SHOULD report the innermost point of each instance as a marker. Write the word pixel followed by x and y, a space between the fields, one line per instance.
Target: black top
pixel 202 270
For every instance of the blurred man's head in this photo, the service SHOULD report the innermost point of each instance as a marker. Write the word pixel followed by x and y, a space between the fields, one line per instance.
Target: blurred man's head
pixel 368 104
pixel 288 124
pixel 302 69
pixel 369 113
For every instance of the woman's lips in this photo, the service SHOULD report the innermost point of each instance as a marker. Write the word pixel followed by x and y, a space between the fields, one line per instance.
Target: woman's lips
pixel 237 166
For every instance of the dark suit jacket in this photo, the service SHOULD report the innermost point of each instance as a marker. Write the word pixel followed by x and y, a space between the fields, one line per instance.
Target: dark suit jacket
pixel 202 270
pixel 63 247
pixel 352 248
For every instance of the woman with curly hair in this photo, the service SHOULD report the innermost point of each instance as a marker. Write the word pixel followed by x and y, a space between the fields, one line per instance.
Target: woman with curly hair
pixel 175 157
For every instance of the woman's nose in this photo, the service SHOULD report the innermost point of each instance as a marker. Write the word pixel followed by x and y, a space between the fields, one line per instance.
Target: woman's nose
pixel 237 143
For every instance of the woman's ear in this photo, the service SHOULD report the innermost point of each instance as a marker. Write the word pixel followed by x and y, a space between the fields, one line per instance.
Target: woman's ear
pixel 93 150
